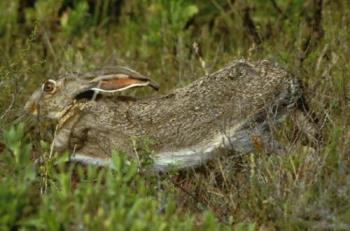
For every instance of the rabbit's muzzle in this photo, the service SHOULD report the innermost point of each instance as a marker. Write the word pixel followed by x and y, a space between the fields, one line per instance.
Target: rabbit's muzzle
pixel 32 105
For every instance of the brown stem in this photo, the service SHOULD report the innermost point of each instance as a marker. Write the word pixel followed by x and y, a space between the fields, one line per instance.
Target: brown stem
pixel 314 31
pixel 277 8
pixel 250 27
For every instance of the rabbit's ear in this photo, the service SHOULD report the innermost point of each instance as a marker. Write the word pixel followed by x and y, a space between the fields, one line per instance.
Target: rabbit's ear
pixel 120 82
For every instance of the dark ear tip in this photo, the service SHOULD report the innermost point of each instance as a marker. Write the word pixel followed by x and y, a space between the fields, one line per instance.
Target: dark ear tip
pixel 154 85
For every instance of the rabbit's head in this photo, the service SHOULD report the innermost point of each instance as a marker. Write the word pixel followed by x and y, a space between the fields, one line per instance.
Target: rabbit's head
pixel 55 97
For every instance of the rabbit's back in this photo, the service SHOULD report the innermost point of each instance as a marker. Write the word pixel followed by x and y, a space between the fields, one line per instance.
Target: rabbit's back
pixel 214 104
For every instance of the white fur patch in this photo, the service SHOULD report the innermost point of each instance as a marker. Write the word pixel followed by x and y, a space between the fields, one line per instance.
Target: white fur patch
pixel 121 89
pixel 91 160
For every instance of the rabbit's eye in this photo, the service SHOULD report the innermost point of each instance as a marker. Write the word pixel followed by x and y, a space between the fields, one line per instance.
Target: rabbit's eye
pixel 49 86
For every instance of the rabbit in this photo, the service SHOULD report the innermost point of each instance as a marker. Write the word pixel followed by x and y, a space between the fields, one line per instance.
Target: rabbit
pixel 230 110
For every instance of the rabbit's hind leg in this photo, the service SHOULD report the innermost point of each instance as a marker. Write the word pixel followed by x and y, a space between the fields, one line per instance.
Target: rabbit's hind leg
pixel 255 139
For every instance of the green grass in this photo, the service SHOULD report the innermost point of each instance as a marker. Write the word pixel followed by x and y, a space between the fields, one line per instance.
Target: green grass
pixel 306 189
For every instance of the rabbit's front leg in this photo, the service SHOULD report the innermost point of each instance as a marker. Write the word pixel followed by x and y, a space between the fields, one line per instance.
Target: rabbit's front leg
pixel 63 135
pixel 73 136
pixel 86 149
pixel 89 139
pixel 61 140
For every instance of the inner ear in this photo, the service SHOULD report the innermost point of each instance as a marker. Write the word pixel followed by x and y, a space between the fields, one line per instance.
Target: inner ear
pixel 121 82
pixel 88 94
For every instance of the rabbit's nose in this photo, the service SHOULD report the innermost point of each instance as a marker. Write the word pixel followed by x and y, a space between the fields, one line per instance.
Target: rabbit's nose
pixel 31 105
